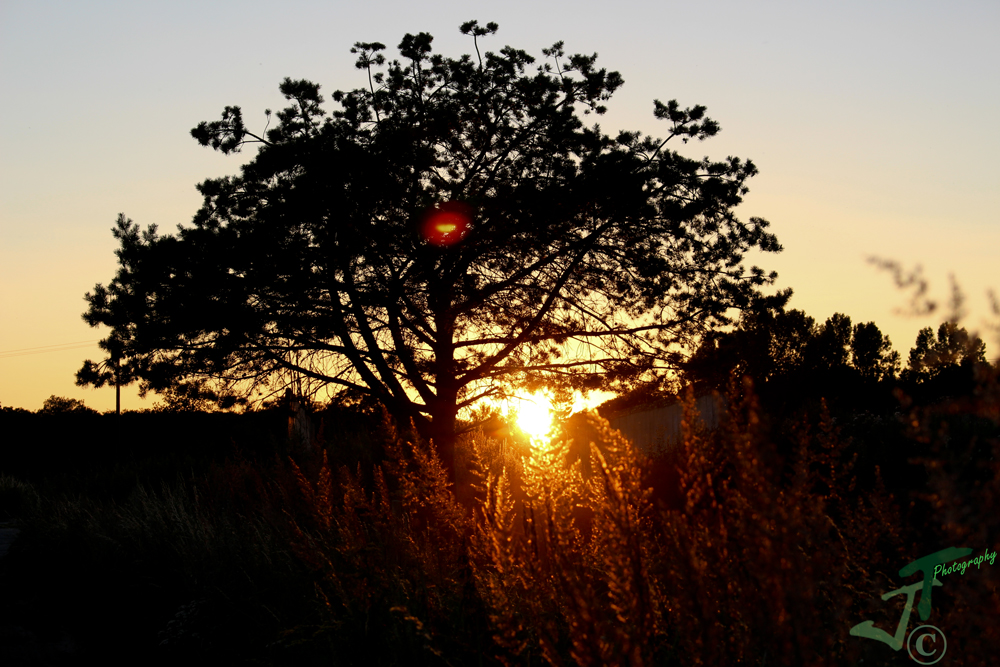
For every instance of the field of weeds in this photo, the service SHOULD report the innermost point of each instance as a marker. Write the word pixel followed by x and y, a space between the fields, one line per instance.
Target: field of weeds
pixel 738 547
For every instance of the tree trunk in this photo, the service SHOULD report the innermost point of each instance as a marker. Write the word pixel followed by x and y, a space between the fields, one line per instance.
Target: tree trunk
pixel 444 409
pixel 442 434
pixel 441 431
pixel 118 388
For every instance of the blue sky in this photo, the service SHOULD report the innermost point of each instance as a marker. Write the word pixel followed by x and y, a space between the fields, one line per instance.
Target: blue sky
pixel 873 125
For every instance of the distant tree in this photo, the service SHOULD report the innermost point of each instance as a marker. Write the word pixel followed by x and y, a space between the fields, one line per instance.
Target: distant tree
pixel 872 354
pixel 830 346
pixel 62 405
pixel 767 343
pixel 786 351
pixel 115 306
pixel 451 230
pixel 950 348
pixel 790 336
pixel 861 347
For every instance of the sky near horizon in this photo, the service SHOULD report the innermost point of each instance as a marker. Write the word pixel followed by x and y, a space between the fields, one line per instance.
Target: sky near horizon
pixel 873 124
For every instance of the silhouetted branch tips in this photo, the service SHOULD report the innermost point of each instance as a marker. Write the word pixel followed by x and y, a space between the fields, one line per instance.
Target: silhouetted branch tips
pixel 415 47
pixel 225 135
pixel 956 302
pixel 913 280
pixel 923 304
pixel 370 54
pixel 685 124
pixel 473 28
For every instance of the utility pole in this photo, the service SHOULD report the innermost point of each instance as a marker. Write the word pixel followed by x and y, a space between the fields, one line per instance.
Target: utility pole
pixel 118 390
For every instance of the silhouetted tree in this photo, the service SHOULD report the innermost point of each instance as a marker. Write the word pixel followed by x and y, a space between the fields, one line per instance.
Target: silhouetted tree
pixel 851 365
pixel 872 354
pixel 944 364
pixel 830 346
pixel 54 405
pixel 768 343
pixel 952 346
pixel 790 358
pixel 115 306
pixel 448 231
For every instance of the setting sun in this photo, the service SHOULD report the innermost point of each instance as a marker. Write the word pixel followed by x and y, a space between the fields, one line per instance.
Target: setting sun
pixel 534 414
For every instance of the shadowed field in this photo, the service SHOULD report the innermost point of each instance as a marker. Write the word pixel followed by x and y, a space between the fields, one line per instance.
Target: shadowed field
pixel 739 546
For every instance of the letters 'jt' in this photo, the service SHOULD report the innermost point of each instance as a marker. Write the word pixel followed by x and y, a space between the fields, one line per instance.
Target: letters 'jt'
pixel 926 566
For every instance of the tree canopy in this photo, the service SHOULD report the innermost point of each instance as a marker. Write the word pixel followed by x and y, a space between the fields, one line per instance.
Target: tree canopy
pixel 952 346
pixel 450 230
pixel 58 405
pixel 944 363
pixel 117 307
pixel 787 354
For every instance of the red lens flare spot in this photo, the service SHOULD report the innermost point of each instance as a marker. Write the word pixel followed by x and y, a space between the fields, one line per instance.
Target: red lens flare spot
pixel 446 224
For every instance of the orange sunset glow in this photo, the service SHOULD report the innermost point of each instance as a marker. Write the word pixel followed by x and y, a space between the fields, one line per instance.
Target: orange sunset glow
pixel 534 414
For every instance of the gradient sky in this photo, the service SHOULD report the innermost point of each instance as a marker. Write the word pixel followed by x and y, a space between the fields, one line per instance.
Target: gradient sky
pixel 874 126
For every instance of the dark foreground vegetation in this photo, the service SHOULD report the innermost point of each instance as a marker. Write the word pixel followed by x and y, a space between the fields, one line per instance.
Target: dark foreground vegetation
pixel 171 538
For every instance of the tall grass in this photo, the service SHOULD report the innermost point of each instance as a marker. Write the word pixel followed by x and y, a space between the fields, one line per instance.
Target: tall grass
pixel 764 562
pixel 166 573
pixel 17 497
pixel 727 550
pixel 962 461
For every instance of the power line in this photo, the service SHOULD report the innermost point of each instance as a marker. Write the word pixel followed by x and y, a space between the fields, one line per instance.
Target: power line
pixel 39 347
pixel 42 349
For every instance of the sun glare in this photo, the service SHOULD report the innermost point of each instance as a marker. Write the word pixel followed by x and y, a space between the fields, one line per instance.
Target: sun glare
pixel 534 414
